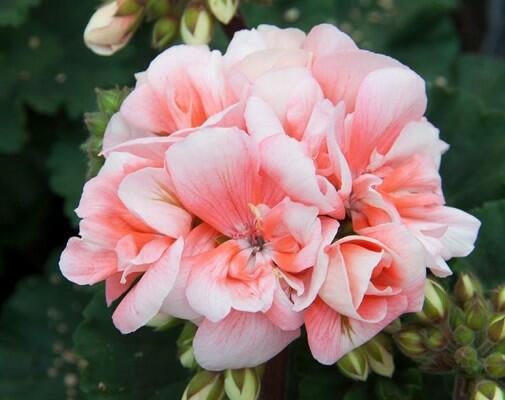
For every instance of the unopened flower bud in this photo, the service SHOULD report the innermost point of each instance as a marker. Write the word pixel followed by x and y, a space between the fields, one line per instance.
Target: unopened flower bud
pixel 223 10
pixel 205 385
pixel 379 354
pixel 242 384
pixel 456 317
pixel 496 328
pixel 488 390
pixel 162 322
pixel 436 303
pixel 463 335
pixel 110 100
pixel 467 287
pixel 185 345
pixel 128 7
pixel 466 357
pixel 410 342
pixel 495 365
pixel 156 9
pixel 476 315
pixel 394 326
pixel 196 24
pixel 354 365
pixel 108 32
pixel 498 298
pixel 96 122
pixel 164 32
pixel 435 339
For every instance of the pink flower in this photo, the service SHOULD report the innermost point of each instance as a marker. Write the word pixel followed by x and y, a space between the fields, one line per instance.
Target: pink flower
pixel 107 32
pixel 228 176
pixel 371 280
pixel 132 227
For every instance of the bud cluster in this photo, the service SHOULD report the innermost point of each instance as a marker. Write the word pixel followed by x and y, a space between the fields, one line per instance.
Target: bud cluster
pixel 113 24
pixel 108 102
pixel 463 334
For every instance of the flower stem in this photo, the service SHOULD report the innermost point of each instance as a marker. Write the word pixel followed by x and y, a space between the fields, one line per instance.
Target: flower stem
pixel 273 384
pixel 236 24
pixel 460 391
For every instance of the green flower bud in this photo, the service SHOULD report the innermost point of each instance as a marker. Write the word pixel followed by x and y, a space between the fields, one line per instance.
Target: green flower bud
pixel 495 365
pixel 205 385
pixel 185 345
pixel 96 122
pixel 128 7
pixel 223 10
pixel 394 326
pixel 498 299
pixel 456 317
pixel 435 339
pixel 476 314
pixel 467 358
pixel 162 322
pixel 164 32
pixel 242 384
pixel 156 9
pixel 496 328
pixel 410 342
pixel 354 365
pixel 463 335
pixel 467 287
pixel 488 390
pixel 436 303
pixel 380 355
pixel 110 100
pixel 196 24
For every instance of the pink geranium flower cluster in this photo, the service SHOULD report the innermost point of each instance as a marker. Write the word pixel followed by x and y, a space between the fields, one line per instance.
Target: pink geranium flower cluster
pixel 291 181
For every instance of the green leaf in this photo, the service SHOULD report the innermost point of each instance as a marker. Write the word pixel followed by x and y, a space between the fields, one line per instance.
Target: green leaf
pixel 488 258
pixel 483 76
pixel 473 170
pixel 141 365
pixel 67 167
pixel 36 357
pixel 14 12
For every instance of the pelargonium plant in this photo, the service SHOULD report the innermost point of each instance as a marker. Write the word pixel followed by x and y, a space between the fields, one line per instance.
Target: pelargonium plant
pixel 288 184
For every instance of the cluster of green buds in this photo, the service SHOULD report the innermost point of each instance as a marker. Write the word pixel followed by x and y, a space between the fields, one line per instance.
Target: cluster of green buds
pixel 113 25
pixel 463 333
pixel 108 102
pixel 374 356
pixel 232 384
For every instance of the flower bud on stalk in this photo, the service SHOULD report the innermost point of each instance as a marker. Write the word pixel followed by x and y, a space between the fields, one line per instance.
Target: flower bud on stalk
pixel 354 365
pixel 379 355
pixel 109 100
pixel 156 9
pixel 394 326
pixel 467 287
pixel 488 390
pixel 467 359
pixel 498 299
pixel 112 25
pixel 435 339
pixel 476 314
pixel 223 10
pixel 495 365
pixel 496 328
pixel 162 322
pixel 96 122
pixel 456 317
pixel 185 345
pixel 205 385
pixel 164 32
pixel 463 335
pixel 242 384
pixel 196 24
pixel 410 342
pixel 436 303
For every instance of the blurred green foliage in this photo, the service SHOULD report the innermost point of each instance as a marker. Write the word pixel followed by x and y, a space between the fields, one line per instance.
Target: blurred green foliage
pixel 47 82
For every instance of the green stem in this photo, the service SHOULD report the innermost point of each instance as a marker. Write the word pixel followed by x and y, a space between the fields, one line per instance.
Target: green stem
pixel 460 391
